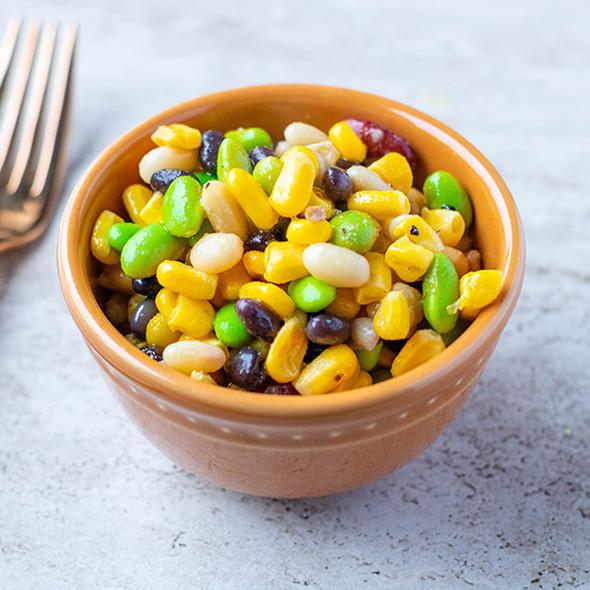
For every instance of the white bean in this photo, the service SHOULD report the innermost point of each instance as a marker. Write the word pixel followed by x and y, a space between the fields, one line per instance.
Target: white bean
pixel 218 252
pixel 281 148
pixel 364 179
pixel 336 265
pixel 297 133
pixel 327 155
pixel 363 333
pixel 222 210
pixel 166 157
pixel 191 355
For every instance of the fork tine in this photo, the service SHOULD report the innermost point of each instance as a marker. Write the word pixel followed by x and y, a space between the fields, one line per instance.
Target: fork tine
pixel 32 115
pixel 8 46
pixel 49 143
pixel 17 95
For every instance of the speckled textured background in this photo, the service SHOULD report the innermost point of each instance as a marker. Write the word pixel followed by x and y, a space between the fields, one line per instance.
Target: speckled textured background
pixel 501 500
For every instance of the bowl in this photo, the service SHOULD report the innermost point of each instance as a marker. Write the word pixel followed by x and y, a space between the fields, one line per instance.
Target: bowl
pixel 290 446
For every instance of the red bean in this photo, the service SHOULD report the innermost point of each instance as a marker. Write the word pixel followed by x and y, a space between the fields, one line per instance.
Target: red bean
pixel 245 368
pixel 327 329
pixel 210 142
pixel 162 179
pixel 260 321
pixel 281 389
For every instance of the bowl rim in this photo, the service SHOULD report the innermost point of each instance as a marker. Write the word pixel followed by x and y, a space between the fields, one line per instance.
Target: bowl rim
pixel 177 388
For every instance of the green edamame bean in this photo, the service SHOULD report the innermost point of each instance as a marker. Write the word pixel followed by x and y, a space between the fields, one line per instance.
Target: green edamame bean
pixel 229 327
pixel 440 288
pixel 452 335
pixel 267 171
pixel 232 155
pixel 368 358
pixel 120 233
pixel 147 248
pixel 443 191
pixel 204 177
pixel 182 211
pixel 354 230
pixel 310 294
pixel 380 375
pixel 206 228
pixel 250 137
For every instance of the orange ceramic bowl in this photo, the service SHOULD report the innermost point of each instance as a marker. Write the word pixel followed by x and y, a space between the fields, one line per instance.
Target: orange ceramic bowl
pixel 289 446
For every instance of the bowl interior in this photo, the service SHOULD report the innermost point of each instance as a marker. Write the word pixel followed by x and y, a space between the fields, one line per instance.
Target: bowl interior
pixel 273 107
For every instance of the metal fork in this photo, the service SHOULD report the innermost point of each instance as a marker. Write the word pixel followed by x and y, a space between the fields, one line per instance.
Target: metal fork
pixel 33 128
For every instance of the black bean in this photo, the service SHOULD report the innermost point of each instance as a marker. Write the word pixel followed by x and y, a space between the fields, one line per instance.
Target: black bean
pixel 245 368
pixel 143 313
pixel 210 142
pixel 281 389
pixel 162 179
pixel 259 153
pixel 259 240
pixel 345 164
pixel 327 329
pixel 148 286
pixel 260 321
pixel 279 231
pixel 313 350
pixel 337 184
pixel 152 352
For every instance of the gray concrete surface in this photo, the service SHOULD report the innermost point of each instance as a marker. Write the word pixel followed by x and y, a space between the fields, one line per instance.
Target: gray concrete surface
pixel 502 500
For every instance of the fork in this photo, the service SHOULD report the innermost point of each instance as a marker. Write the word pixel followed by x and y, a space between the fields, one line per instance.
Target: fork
pixel 35 77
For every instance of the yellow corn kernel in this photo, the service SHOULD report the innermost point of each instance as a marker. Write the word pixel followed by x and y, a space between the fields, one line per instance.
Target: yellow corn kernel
pixel 254 263
pixel 203 377
pixel 327 371
pixel 414 299
pixel 379 283
pixel 379 204
pixel 185 338
pixel 191 317
pixel 421 347
pixel 386 357
pixel 165 302
pixel 113 278
pixel 363 380
pixel 231 281
pixel 302 149
pixel 302 231
pixel 345 305
pixel 271 295
pixel 251 197
pixel 319 199
pixel 177 135
pixel 395 170
pixel 135 197
pixel 292 190
pixel 416 229
pixel 392 320
pixel 152 212
pixel 186 280
pixel 449 224
pixel 478 289
pixel 347 142
pixel 409 261
pixel 285 355
pixel 158 333
pixel 382 242
pixel 99 243
pixel 348 382
pixel 132 304
pixel 283 262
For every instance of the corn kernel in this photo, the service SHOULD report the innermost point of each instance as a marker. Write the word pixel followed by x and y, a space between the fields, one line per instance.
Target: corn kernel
pixel 409 261
pixel 307 152
pixel 292 190
pixel 191 317
pixel 165 302
pixel 348 382
pixel 327 371
pixel 395 170
pixel 416 229
pixel 285 355
pixel 347 142
pixel 203 377
pixel 99 243
pixel 414 299
pixel 421 347
pixel 345 305
pixel 478 289
pixel 392 321
pixel 283 262
pixel 271 295
pixel 251 197
pixel 186 280
pixel 152 212
pixel 113 278
pixel 379 283
pixel 449 224
pixel 158 333
pixel 135 197
pixel 379 204
pixel 254 263
pixel 302 231
pixel 177 135
pixel 363 380
pixel 318 198
pixel 231 281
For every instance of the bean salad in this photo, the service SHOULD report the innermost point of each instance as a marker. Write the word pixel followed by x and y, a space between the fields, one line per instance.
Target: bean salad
pixel 306 266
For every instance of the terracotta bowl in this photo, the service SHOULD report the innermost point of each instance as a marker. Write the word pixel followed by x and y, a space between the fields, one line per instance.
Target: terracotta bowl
pixel 288 446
